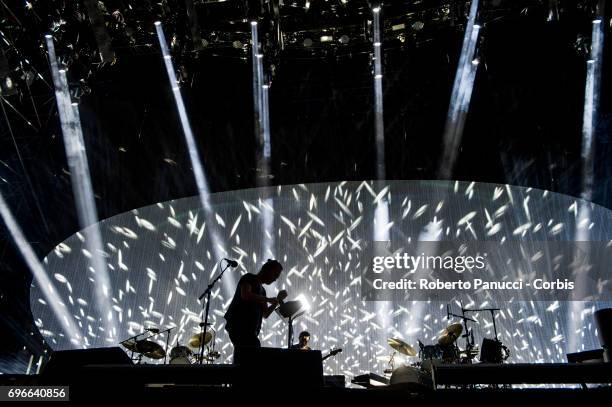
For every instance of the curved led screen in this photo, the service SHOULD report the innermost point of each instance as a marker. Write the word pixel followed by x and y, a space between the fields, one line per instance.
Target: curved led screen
pixel 160 259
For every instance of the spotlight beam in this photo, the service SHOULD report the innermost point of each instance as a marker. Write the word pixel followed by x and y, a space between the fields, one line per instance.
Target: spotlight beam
pixel 47 287
pixel 589 123
pixel 379 124
pixel 461 95
pixel 591 106
pixel 261 118
pixel 196 163
pixel 83 191
pixel 219 248
pixel 381 212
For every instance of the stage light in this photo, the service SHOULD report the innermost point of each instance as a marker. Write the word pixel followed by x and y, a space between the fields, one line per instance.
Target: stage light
pixel 326 38
pixel 418 25
pixel 305 304
pixel 553 10
pixel 307 42
pixel 344 39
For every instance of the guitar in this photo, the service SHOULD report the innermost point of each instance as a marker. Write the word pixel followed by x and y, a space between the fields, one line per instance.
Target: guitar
pixel 331 353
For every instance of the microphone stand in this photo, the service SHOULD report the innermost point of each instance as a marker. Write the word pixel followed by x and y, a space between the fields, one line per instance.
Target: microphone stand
pixel 203 325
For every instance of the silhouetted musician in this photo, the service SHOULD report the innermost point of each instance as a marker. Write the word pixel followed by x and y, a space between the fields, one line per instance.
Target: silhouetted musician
pixel 250 305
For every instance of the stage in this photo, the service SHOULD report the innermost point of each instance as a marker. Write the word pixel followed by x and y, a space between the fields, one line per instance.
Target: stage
pixel 225 383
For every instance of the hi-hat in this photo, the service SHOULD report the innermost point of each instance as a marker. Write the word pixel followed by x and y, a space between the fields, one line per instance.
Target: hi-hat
pixel 146 348
pixel 401 346
pixel 195 340
pixel 450 334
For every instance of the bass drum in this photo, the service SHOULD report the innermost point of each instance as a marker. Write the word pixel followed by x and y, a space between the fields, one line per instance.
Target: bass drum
pixel 180 361
pixel 180 355
pixel 409 376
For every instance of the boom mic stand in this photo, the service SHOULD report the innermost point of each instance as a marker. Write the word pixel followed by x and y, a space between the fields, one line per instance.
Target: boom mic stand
pixel 204 325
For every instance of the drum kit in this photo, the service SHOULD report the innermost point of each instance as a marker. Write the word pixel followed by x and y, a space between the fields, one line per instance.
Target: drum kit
pixel 445 351
pixel 179 354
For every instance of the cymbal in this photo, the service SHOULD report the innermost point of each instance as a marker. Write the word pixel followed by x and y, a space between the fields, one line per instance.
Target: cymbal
pixel 194 341
pixel 129 344
pixel 150 349
pixel 401 346
pixel 450 334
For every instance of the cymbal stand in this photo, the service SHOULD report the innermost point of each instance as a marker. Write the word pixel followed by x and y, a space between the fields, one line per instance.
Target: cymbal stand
pixel 391 363
pixel 167 332
pixel 290 329
pixel 492 310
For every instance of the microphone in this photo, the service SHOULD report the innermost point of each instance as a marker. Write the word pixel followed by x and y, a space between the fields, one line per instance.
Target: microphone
pixel 152 330
pixel 232 263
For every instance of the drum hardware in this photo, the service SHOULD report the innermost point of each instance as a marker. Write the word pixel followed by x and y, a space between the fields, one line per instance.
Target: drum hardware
pixel 290 310
pixel 146 348
pixel 492 350
pixel 398 346
pixel 468 335
pixel 213 355
pixel 429 352
pixel 207 342
pixel 391 364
